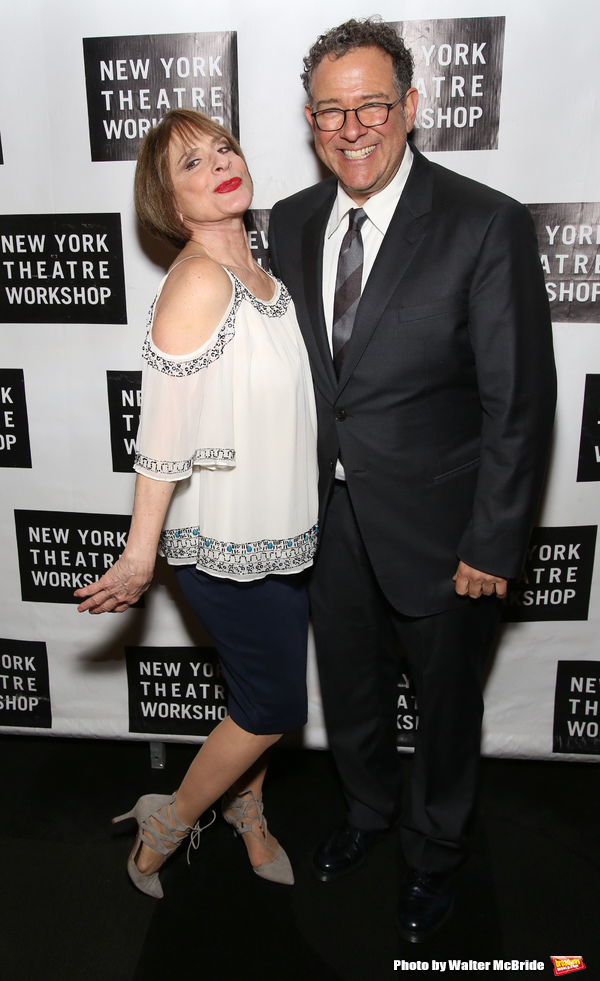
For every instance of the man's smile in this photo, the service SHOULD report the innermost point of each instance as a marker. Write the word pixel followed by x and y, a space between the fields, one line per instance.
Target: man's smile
pixel 365 151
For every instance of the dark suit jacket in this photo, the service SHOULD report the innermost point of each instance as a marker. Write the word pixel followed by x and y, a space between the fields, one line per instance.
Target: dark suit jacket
pixel 444 407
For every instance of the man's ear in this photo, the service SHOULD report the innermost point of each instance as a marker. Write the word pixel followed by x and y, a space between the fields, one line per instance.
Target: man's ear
pixel 308 114
pixel 411 100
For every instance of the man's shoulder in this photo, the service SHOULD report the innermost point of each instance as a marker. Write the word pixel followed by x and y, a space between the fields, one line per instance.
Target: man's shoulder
pixel 309 198
pixel 465 191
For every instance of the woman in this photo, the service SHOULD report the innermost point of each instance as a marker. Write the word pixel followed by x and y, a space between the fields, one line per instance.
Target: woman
pixel 226 481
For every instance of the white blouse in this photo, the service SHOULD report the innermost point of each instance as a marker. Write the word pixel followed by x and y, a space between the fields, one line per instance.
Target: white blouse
pixel 234 423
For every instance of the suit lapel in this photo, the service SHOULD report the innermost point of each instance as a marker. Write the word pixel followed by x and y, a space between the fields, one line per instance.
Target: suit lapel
pixel 314 331
pixel 400 244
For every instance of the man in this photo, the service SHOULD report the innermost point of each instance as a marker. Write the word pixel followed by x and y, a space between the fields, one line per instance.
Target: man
pixel 427 325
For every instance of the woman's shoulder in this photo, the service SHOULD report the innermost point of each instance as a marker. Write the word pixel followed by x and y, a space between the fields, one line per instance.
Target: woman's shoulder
pixel 195 276
pixel 194 298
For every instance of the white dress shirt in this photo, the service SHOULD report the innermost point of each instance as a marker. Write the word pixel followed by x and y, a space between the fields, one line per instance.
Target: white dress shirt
pixel 379 210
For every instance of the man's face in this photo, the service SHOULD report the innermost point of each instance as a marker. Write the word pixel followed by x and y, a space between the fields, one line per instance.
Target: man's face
pixel 363 159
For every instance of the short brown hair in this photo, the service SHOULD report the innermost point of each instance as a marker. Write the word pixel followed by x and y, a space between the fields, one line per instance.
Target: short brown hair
pixel 152 187
pixel 371 32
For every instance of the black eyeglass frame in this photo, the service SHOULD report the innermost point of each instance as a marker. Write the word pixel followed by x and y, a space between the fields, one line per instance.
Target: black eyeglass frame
pixel 368 105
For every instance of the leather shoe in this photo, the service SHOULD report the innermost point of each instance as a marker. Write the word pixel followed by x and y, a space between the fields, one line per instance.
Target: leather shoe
pixel 343 851
pixel 426 901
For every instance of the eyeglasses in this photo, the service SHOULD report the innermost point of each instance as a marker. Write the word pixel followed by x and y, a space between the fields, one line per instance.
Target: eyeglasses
pixel 373 114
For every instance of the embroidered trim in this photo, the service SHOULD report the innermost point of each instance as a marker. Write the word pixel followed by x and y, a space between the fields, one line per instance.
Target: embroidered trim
pixel 182 369
pixel 215 454
pixel 207 454
pixel 234 558
pixel 268 309
pixel 226 333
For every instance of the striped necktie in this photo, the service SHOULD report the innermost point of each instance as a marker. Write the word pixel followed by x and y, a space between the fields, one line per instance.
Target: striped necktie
pixel 347 285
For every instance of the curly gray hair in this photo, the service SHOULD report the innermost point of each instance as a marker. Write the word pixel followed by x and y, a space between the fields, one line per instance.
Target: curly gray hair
pixel 370 32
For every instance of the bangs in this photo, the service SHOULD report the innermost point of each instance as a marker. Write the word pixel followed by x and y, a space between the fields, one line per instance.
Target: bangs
pixel 188 130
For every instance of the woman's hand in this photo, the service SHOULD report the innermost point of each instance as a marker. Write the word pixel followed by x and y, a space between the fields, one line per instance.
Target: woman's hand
pixel 119 588
pixel 123 584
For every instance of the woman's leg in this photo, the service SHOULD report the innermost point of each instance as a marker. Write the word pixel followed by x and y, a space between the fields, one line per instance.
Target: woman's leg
pixel 229 758
pixel 252 780
pixel 265 671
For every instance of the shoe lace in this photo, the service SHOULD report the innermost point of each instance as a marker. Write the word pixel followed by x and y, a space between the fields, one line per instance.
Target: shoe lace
pixel 195 832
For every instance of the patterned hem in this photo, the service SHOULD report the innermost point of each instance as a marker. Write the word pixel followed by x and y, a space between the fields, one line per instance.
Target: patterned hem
pixel 234 558
pixel 214 456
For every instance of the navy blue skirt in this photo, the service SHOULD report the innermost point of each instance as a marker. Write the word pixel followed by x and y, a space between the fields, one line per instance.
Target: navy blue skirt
pixel 260 631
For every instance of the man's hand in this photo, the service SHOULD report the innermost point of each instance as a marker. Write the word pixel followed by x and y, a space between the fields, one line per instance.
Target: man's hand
pixel 471 582
pixel 118 589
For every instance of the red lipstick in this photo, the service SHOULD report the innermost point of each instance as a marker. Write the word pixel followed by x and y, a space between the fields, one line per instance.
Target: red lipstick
pixel 230 185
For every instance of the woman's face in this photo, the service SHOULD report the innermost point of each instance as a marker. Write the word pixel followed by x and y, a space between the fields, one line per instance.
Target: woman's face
pixel 210 181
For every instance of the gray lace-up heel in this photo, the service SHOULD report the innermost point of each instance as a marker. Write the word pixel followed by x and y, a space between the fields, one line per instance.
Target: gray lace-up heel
pixel 235 809
pixel 161 808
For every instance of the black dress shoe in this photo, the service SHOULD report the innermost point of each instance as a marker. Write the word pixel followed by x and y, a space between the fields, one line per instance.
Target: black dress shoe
pixel 342 851
pixel 426 901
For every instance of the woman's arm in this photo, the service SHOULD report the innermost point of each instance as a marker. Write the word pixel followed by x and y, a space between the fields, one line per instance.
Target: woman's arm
pixel 192 303
pixel 130 576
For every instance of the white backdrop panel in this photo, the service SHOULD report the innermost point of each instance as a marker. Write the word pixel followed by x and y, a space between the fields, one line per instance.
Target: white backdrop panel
pixel 548 148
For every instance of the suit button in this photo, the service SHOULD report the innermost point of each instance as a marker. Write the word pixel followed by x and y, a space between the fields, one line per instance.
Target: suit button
pixel 331 464
pixel 340 414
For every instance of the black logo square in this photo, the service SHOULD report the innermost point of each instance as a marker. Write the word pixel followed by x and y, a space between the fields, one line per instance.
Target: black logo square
pixel 124 401
pixel 60 551
pixel 62 269
pixel 24 684
pixel 589 447
pixel 458 75
pixel 576 711
pixel 133 81
pixel 15 450
pixel 177 690
pixel 569 242
pixel 557 578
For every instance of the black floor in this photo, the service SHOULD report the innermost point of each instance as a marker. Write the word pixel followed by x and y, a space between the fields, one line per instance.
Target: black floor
pixel 69 913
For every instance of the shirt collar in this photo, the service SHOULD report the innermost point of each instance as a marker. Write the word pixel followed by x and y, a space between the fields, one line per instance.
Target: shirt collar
pixel 379 208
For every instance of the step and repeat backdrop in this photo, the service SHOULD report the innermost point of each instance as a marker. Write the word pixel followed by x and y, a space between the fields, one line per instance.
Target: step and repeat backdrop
pixel 508 95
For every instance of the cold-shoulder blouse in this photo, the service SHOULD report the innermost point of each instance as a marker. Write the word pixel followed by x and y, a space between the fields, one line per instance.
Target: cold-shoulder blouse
pixel 234 423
